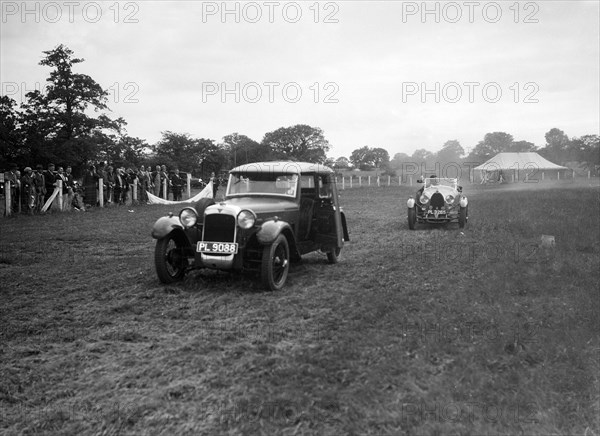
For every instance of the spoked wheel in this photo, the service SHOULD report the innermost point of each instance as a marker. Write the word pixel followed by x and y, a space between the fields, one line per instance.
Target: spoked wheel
pixel 275 264
pixel 412 218
pixel 462 216
pixel 170 259
pixel 333 255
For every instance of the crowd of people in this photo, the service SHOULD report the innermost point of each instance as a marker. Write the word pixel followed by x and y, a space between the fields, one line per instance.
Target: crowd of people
pixel 32 188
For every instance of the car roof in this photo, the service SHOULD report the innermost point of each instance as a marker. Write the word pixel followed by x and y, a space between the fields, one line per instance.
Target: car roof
pixel 283 167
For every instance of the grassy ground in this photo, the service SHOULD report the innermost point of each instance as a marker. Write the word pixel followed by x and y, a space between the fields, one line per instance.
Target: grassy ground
pixel 433 331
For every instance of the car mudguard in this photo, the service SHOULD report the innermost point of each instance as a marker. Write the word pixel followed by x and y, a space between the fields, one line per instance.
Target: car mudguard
pixel 345 227
pixel 463 201
pixel 269 230
pixel 165 225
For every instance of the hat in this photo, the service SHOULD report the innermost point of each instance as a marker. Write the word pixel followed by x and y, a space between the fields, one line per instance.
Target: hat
pixel 39 167
pixel 13 165
pixel 27 169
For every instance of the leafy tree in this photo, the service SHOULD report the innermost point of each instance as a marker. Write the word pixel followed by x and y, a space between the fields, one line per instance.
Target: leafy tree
pixel 341 163
pixel 9 133
pixel 300 142
pixel 367 158
pixel 451 151
pixel 522 146
pixel 585 150
pixel 241 150
pixel 380 157
pixel 492 144
pixel 186 153
pixel 422 155
pixel 399 160
pixel 556 146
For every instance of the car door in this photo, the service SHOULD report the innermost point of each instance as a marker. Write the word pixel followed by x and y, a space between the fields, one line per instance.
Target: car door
pixel 329 232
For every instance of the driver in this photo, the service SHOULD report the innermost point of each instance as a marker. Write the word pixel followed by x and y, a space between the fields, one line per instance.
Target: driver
pixel 434 181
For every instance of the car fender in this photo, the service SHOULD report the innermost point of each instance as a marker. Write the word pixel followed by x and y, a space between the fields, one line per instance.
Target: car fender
pixel 345 226
pixel 410 203
pixel 165 225
pixel 463 201
pixel 269 231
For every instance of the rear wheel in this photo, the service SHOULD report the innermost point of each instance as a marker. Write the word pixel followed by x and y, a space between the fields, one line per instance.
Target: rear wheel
pixel 170 259
pixel 412 218
pixel 275 264
pixel 333 255
pixel 462 217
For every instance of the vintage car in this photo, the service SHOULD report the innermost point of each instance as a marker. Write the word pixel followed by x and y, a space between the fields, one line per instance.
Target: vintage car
pixel 439 201
pixel 272 213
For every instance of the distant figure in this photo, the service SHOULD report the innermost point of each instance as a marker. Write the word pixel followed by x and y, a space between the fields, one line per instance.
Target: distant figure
pixel 500 176
pixel 215 182
pixel 90 186
pixel 176 185
pixel 156 180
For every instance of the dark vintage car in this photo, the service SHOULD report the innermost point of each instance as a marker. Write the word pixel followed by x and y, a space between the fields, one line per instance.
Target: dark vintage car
pixel 272 214
pixel 439 201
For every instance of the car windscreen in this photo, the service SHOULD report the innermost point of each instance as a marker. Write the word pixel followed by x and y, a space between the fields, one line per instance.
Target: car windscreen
pixel 431 181
pixel 262 184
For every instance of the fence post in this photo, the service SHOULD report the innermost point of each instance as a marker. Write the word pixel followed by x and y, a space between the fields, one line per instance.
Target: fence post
pixel 165 194
pixel 101 191
pixel 134 199
pixel 60 196
pixel 189 185
pixel 410 178
pixel 378 184
pixel 589 174
pixel 542 176
pixel 351 177
pixel 389 180
pixel 343 183
pixel 558 175
pixel 7 199
pixel 573 174
pixel 369 179
pixel 359 180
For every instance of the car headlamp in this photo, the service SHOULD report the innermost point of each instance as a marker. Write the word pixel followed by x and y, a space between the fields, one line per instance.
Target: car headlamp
pixel 424 199
pixel 246 219
pixel 188 217
pixel 449 198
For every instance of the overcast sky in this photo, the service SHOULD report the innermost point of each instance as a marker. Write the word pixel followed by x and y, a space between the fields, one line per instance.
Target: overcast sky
pixel 367 73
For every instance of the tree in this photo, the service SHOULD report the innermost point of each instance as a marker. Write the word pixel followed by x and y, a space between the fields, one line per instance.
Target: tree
pixel 522 146
pixel 9 134
pixel 341 163
pixel 242 150
pixel 380 157
pixel 492 144
pixel 300 142
pixel 556 145
pixel 451 151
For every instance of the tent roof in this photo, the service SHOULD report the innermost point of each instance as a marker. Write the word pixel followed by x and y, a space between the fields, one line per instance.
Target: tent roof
pixel 512 161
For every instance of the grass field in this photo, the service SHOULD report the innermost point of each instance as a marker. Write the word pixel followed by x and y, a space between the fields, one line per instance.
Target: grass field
pixel 435 331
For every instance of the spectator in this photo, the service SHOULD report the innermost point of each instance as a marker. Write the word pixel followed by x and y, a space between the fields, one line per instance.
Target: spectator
pixel 120 183
pixel 102 174
pixel 109 182
pixel 90 186
pixel 156 179
pixel 216 182
pixel 39 181
pixel 65 193
pixel 144 183
pixel 27 191
pixel 177 185
pixel 70 186
pixel 12 177
pixel 50 181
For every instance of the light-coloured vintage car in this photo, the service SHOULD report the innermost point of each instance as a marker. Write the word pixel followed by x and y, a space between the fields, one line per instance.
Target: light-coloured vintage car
pixel 272 213
pixel 439 201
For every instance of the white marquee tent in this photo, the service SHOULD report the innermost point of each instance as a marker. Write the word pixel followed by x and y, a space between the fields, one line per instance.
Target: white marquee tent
pixel 518 166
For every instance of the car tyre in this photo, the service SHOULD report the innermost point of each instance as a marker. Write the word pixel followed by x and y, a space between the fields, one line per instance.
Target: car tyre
pixel 275 264
pixel 462 217
pixel 412 218
pixel 333 255
pixel 170 259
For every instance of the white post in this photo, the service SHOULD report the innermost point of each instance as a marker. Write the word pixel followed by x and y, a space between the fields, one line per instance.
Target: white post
pixel 558 175
pixel 389 180
pixel 513 177
pixel 369 180
pixel 410 180
pixel 589 174
pixel 189 185
pixel 378 184
pixel 101 191
pixel 351 177
pixel 135 188
pixel 359 181
pixel 542 175
pixel 60 196
pixel 573 174
pixel 7 198
pixel 165 189
pixel 343 183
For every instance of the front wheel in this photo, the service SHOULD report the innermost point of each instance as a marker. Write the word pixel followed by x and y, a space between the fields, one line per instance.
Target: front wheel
pixel 462 217
pixel 333 255
pixel 412 218
pixel 275 264
pixel 170 259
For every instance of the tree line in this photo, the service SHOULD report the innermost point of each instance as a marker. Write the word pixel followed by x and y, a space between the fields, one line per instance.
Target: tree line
pixel 68 123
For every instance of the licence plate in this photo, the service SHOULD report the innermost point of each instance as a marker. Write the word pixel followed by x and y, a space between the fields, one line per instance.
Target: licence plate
pixel 217 247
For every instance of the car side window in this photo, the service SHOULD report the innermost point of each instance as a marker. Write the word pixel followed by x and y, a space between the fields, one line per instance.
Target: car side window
pixel 325 189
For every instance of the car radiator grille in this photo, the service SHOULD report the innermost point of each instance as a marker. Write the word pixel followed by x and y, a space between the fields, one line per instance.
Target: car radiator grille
pixel 219 228
pixel 437 201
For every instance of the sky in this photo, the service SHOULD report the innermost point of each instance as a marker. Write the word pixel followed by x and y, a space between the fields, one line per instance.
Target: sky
pixel 396 75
